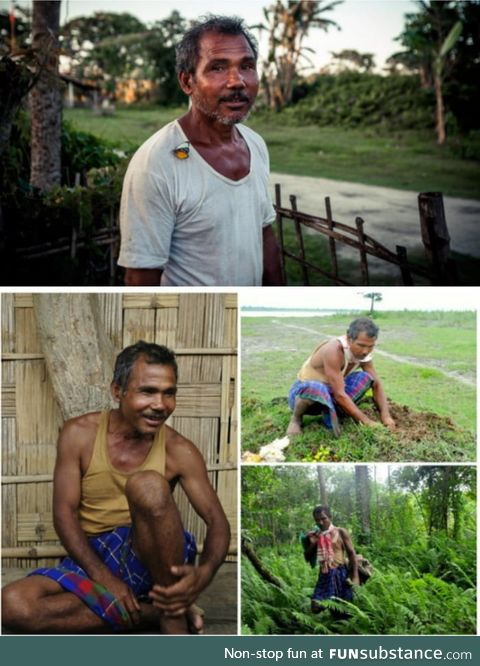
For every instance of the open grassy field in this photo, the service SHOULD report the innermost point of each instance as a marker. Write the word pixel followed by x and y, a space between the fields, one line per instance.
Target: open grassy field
pixel 426 361
pixel 408 160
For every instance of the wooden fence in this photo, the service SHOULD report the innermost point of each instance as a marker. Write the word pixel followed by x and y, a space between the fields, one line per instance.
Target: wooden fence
pixel 96 252
pixel 434 234
pixel 201 328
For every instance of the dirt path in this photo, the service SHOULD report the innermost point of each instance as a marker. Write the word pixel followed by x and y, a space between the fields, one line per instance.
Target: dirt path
pixel 391 216
pixel 399 359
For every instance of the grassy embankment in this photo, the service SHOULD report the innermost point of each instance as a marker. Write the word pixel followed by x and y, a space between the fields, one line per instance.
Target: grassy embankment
pixel 442 345
pixel 408 160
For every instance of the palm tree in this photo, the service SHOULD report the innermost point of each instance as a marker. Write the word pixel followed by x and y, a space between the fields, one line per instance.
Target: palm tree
pixel 288 25
pixel 429 38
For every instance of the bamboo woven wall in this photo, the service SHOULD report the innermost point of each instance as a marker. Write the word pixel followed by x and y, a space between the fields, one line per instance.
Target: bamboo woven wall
pixel 200 328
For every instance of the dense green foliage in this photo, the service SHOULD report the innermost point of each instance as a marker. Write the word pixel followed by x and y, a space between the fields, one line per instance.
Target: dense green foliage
pixel 353 99
pixel 424 575
pixel 33 219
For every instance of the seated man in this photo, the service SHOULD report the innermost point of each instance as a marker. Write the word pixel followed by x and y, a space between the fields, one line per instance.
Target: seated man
pixel 331 548
pixel 115 515
pixel 337 375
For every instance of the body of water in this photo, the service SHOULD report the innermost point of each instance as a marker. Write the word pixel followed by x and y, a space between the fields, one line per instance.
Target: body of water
pixel 290 313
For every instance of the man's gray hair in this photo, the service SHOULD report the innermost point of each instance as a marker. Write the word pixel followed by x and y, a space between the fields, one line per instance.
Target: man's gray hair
pixel 362 325
pixel 187 50
pixel 149 352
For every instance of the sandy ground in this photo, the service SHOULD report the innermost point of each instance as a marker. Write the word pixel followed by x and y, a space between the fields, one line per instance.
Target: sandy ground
pixel 391 216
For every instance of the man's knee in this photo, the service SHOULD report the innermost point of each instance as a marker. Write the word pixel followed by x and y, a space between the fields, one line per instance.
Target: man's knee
pixel 148 491
pixel 18 611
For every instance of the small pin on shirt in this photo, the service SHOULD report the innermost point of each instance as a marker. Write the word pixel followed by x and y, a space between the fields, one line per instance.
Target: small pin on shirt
pixel 182 151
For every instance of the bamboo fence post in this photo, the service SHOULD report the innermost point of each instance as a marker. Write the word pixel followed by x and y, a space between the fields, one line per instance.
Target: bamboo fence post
pixel 333 247
pixel 404 270
pixel 279 222
pixel 436 238
pixel 363 255
pixel 298 231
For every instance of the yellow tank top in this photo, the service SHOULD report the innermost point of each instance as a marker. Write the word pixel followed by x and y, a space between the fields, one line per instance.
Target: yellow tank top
pixel 103 504
pixel 308 373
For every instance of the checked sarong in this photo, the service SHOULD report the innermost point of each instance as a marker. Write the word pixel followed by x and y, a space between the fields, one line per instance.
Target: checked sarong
pixel 356 385
pixel 115 550
pixel 333 584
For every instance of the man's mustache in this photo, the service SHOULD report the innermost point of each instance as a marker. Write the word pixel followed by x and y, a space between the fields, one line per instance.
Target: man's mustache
pixel 155 415
pixel 236 97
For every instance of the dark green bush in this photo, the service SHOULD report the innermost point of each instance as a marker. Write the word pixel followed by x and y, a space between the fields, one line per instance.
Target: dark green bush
pixel 82 151
pixel 352 99
pixel 32 219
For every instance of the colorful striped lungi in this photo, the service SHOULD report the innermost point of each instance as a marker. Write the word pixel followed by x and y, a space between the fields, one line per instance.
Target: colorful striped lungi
pixel 115 550
pixel 333 584
pixel 356 385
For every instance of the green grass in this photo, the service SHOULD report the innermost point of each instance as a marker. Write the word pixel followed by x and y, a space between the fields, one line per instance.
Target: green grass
pixel 408 160
pixel 441 342
pixel 128 127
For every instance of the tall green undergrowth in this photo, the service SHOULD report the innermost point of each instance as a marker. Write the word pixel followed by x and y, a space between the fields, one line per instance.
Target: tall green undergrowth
pixel 400 598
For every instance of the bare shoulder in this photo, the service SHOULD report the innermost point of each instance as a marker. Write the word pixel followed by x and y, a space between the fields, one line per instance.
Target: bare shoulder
pixel 344 534
pixel 80 429
pixel 332 352
pixel 181 453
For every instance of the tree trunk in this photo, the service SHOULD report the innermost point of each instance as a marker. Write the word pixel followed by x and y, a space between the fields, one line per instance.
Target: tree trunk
pixel 439 111
pixel 45 98
pixel 248 551
pixel 321 486
pixel 362 493
pixel 78 354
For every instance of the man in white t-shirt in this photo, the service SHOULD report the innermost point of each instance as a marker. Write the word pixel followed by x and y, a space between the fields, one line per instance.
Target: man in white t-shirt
pixel 336 376
pixel 195 204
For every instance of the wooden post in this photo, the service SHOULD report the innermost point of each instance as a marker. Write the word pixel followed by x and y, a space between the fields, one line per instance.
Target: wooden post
pixel 404 270
pixel 436 238
pixel 279 221
pixel 298 230
pixel 331 241
pixel 363 255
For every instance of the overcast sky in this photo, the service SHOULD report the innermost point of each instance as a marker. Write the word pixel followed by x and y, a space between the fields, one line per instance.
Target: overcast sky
pixel 393 298
pixel 366 25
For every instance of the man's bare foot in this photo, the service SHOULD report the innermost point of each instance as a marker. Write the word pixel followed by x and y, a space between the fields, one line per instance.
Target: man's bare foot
pixel 174 625
pixel 294 427
pixel 195 619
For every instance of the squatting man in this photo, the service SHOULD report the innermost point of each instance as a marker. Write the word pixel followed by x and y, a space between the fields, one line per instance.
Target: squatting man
pixel 336 376
pixel 130 562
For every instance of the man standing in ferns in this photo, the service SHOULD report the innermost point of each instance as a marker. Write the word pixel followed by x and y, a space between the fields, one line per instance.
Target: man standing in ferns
pixel 331 548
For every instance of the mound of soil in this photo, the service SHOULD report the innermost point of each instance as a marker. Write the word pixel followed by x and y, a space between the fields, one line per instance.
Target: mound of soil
pixel 413 426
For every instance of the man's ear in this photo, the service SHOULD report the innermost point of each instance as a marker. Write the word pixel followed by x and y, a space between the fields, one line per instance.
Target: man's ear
pixel 116 391
pixel 185 81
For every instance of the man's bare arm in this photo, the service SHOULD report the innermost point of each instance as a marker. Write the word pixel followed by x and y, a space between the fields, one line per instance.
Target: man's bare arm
pixel 272 267
pixel 352 556
pixel 66 500
pixel 332 367
pixel 143 277
pixel 379 396
pixel 177 598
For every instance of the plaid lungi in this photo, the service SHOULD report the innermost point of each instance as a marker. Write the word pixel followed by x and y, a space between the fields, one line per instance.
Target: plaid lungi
pixel 356 384
pixel 333 584
pixel 115 550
